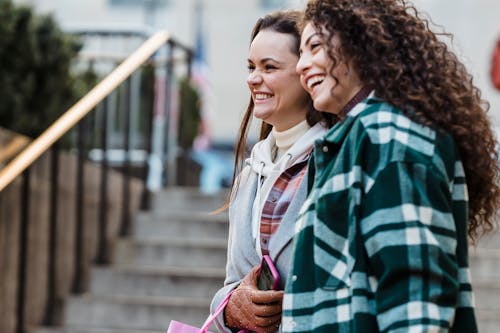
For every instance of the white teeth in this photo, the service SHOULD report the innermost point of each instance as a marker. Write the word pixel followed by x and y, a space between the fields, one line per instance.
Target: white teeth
pixel 315 79
pixel 261 96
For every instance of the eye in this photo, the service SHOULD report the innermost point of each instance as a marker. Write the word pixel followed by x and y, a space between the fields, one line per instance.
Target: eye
pixel 269 67
pixel 251 68
pixel 315 45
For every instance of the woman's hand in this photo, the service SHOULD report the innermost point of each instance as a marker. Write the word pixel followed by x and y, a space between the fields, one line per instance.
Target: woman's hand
pixel 254 309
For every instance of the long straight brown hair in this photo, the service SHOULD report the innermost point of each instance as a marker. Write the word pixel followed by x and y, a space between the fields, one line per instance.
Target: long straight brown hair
pixel 285 22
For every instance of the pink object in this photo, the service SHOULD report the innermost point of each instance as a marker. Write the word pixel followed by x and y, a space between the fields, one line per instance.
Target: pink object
pixel 178 327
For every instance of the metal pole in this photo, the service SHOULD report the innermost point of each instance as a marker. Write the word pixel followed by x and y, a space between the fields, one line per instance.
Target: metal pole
pixel 146 193
pixel 102 252
pixel 78 286
pixel 170 151
pixel 50 314
pixel 125 224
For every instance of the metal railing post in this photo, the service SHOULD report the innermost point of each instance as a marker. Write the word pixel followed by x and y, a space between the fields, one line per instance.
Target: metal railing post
pixel 170 172
pixel 125 220
pixel 146 193
pixel 51 310
pixel 78 286
pixel 103 251
pixel 189 64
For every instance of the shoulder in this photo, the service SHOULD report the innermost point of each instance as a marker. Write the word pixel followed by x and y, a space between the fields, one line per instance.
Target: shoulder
pixel 387 127
pixel 391 136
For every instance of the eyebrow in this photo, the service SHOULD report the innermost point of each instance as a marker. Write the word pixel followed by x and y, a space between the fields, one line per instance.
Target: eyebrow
pixel 265 60
pixel 308 40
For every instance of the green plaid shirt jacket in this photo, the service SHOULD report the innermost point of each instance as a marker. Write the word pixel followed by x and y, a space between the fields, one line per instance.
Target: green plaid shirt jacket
pixel 381 241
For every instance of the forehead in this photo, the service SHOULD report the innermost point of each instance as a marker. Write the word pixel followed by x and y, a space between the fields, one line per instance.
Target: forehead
pixel 308 31
pixel 272 44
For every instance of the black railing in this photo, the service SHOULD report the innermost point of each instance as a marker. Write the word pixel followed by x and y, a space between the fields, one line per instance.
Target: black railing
pixel 102 252
pixel 82 186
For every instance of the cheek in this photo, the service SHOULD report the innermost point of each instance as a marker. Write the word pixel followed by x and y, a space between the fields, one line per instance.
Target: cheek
pixel 303 83
pixel 331 84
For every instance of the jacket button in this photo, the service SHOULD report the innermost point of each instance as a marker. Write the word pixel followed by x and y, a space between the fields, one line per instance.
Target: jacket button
pixel 325 149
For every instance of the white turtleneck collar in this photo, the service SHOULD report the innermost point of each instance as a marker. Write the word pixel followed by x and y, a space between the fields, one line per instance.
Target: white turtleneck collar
pixel 286 138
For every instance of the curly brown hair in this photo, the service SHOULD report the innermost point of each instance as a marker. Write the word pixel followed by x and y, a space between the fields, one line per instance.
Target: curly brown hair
pixel 393 49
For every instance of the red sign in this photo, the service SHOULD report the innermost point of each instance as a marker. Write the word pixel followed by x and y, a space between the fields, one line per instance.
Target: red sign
pixel 495 67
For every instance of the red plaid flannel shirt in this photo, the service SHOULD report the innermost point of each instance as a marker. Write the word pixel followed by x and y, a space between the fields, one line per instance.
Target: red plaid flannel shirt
pixel 278 200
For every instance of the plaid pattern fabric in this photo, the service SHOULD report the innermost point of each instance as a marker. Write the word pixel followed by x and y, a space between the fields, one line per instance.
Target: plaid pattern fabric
pixel 381 241
pixel 278 200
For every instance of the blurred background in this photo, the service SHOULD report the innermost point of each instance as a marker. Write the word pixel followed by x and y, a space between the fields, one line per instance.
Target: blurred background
pixel 226 26
pixel 218 31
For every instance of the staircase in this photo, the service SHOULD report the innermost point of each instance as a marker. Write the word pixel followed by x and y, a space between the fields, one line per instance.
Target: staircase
pixel 485 270
pixel 169 269
pixel 174 263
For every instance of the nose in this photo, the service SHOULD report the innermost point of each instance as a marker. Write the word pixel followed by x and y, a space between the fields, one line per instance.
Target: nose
pixel 303 64
pixel 254 78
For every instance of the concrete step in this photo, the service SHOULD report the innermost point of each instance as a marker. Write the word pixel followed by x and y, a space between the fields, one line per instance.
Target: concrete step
pixel 180 198
pixel 186 215
pixel 184 225
pixel 157 282
pixel 485 263
pixel 172 252
pixel 487 294
pixel 490 241
pixel 134 313
pixel 488 320
pixel 75 329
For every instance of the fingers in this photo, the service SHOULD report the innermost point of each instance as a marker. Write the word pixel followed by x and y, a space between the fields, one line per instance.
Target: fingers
pixel 254 309
pixel 267 324
pixel 251 278
pixel 267 310
pixel 266 296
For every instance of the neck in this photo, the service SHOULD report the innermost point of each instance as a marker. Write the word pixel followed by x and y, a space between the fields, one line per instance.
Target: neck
pixel 360 95
pixel 285 139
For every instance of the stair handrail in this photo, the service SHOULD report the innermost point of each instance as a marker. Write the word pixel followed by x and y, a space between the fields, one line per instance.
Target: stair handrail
pixel 81 108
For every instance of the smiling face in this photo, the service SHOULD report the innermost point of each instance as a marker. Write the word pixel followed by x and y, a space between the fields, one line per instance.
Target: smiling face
pixel 315 66
pixel 278 96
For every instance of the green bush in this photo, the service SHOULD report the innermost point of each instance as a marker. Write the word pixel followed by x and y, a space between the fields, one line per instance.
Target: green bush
pixel 36 81
pixel 189 113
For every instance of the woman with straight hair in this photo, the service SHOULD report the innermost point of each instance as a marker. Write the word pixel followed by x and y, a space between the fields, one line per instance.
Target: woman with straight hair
pixel 270 185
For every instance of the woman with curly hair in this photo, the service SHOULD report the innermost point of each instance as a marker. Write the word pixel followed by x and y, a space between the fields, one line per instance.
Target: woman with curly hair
pixel 400 184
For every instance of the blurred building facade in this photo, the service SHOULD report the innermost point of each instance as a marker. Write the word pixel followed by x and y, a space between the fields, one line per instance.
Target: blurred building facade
pixel 227 25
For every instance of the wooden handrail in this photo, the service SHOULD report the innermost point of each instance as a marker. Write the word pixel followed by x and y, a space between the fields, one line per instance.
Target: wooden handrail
pixel 73 115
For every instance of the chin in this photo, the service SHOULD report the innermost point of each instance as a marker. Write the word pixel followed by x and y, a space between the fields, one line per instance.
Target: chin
pixel 318 105
pixel 261 115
